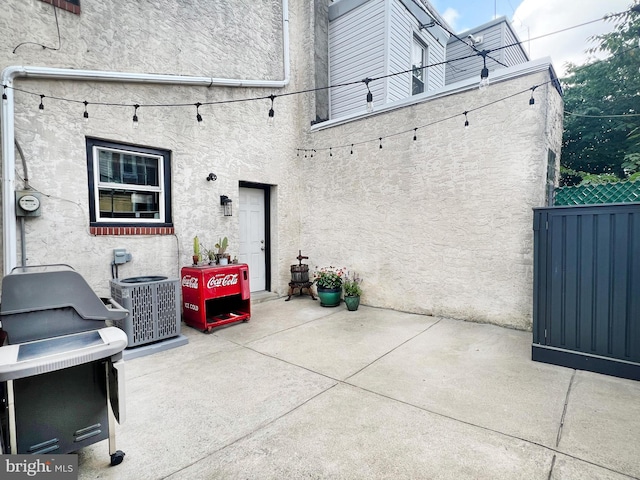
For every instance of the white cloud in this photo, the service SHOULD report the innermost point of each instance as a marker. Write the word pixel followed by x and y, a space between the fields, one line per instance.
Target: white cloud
pixel 451 16
pixel 534 18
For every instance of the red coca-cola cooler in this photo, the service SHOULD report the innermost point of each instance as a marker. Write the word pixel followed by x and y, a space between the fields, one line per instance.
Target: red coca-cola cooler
pixel 215 295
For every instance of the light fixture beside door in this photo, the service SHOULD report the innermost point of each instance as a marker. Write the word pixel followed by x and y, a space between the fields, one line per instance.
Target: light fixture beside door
pixel 226 203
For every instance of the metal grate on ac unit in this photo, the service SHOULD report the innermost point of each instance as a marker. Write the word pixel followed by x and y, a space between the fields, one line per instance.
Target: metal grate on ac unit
pixel 154 308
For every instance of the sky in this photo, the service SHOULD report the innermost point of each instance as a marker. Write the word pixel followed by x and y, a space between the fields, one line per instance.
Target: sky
pixel 533 18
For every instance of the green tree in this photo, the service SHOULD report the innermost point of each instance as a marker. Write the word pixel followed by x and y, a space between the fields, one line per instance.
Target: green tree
pixel 601 133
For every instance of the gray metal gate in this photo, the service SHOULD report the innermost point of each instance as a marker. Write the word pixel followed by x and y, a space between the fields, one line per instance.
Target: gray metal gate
pixel 586 299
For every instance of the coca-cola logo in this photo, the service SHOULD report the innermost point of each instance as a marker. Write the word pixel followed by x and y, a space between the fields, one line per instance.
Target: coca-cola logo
pixel 190 282
pixel 222 280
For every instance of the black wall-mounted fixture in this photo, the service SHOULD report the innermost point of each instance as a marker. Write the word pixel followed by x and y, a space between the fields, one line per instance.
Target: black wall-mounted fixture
pixel 226 204
pixel 211 177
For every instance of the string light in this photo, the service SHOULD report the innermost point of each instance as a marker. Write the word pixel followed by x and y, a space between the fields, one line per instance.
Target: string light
pixel 85 115
pixel 380 142
pixel 532 101
pixel 198 116
pixel 135 115
pixel 484 54
pixel 271 112
pixel 41 106
pixel 415 134
pixel 369 95
pixel 330 152
pixel 484 74
pixel 4 93
pixel 445 119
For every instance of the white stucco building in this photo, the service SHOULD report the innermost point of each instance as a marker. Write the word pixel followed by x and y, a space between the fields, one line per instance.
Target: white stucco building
pixel 440 224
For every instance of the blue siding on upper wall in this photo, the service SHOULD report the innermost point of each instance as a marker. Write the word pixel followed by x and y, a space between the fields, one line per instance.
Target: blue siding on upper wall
pixel 356 51
pixel 375 39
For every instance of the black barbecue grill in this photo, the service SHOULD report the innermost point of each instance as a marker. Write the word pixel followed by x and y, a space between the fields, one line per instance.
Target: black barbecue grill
pixel 61 369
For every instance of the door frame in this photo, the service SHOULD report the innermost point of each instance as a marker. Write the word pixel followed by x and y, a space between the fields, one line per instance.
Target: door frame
pixel 267 227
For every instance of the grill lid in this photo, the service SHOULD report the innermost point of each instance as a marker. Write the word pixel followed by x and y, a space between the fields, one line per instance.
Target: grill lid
pixel 31 291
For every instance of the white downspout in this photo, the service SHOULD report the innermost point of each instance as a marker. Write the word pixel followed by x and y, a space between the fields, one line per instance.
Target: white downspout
pixel 9 74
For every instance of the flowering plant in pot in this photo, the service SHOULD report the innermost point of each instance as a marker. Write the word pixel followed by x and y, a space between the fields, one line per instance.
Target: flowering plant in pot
pixel 328 282
pixel 352 290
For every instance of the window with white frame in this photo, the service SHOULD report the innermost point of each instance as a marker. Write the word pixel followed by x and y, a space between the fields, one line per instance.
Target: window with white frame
pixel 128 185
pixel 418 61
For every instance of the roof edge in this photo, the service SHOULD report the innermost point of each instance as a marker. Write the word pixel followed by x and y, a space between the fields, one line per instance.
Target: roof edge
pixel 500 75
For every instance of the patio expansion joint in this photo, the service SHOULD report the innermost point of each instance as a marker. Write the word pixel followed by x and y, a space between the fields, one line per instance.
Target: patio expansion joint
pixel 252 432
pixel 554 450
pixel 393 349
pixel 284 329
pixel 564 410
pixel 320 373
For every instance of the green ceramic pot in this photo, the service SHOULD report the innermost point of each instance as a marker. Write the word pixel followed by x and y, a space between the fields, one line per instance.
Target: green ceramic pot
pixel 329 297
pixel 352 303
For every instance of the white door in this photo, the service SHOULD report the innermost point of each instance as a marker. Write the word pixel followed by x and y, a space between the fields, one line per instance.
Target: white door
pixel 252 249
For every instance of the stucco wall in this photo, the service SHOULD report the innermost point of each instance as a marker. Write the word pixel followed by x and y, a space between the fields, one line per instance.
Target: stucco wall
pixel 211 38
pixel 239 39
pixel 442 225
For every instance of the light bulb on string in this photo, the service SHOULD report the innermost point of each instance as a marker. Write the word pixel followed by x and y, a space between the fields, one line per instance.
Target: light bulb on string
pixel 4 94
pixel 415 134
pixel 380 142
pixel 41 106
pixel 198 116
pixel 135 115
pixel 466 121
pixel 369 95
pixel 330 152
pixel 85 115
pixel 352 149
pixel 272 113
pixel 532 101
pixel 484 73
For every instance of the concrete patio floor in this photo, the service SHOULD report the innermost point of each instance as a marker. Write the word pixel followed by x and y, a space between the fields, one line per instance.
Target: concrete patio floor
pixel 303 391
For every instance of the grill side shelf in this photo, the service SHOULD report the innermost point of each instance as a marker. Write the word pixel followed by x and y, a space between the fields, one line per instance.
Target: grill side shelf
pixel 56 353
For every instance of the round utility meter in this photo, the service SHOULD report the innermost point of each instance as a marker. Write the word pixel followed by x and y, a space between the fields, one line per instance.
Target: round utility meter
pixel 29 203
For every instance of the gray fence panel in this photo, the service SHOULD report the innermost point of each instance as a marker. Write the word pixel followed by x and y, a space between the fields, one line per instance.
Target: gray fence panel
pixel 586 311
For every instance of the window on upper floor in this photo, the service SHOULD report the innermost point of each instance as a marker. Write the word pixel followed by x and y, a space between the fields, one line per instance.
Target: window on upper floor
pixel 128 185
pixel 418 61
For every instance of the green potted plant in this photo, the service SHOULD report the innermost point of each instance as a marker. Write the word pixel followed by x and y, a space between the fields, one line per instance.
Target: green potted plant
pixel 328 282
pixel 352 291
pixel 222 245
pixel 196 250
